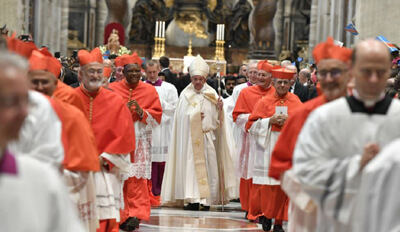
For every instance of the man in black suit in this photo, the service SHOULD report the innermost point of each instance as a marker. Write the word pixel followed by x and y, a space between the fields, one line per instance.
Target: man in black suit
pixel 297 88
pixel 169 76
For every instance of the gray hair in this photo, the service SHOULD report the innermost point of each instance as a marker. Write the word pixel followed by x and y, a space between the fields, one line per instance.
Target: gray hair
pixel 285 63
pixel 8 59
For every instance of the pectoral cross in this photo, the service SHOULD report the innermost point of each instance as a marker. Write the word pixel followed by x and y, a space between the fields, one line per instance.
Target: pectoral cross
pixel 193 104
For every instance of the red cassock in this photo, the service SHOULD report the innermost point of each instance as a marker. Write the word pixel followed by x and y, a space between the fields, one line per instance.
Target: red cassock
pixel 269 200
pixel 281 158
pixel 110 120
pixel 80 149
pixel 245 103
pixel 248 98
pixel 137 192
pixel 68 94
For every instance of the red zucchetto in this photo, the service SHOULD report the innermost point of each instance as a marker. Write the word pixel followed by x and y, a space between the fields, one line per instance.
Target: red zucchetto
pixel 86 57
pixel 39 61
pixel 264 65
pixel 282 73
pixel 328 50
pixel 125 59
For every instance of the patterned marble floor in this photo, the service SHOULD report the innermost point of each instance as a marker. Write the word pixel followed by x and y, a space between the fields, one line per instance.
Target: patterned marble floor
pixel 178 220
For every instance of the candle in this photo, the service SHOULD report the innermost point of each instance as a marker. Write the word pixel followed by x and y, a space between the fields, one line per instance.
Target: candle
pixel 218 27
pixel 222 31
pixel 163 29
pixel 159 28
pixel 156 28
pixel 219 33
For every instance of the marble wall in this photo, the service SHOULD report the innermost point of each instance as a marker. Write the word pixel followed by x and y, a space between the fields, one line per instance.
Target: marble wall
pixel 328 18
pixel 374 18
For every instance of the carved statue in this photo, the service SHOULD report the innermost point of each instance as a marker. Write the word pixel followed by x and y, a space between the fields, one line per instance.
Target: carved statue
pixel 285 54
pixel 73 40
pixel 199 13
pixel 118 12
pixel 239 33
pixel 144 15
pixel 262 29
pixel 113 46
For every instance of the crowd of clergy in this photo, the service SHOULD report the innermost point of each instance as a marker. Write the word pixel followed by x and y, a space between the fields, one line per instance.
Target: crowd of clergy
pixel 99 156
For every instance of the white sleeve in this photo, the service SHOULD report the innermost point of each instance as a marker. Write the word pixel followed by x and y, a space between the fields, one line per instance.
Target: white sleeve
pixel 40 136
pixel 332 183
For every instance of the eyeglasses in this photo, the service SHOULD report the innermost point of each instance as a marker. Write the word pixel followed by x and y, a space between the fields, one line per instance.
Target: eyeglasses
pixel 334 73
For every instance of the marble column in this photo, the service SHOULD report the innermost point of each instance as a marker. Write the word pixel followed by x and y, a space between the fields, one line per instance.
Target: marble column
pixel 312 41
pixel 101 14
pixel 12 14
pixel 64 28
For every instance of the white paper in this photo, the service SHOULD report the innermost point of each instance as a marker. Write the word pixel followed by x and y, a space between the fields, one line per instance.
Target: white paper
pixel 281 110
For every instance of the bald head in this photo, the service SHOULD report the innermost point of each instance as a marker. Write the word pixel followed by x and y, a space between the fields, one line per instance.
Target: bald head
pixel 370 68
pixel 370 47
pixel 304 75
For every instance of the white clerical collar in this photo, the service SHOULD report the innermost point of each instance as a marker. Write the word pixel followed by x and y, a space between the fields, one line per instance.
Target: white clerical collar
pixel 162 70
pixel 370 102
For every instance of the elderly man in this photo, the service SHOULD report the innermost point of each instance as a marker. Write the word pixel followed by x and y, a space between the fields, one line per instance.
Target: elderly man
pixel 161 135
pixel 243 108
pixel 328 57
pixel 114 141
pixel 199 147
pixel 145 108
pixel 33 195
pixel 265 122
pixel 81 158
pixel 326 162
pixel 304 76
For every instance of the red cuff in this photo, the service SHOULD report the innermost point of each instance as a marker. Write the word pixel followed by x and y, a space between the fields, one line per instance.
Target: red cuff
pixel 144 118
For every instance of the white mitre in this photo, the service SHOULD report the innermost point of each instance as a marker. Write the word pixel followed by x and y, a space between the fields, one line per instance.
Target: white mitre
pixel 199 67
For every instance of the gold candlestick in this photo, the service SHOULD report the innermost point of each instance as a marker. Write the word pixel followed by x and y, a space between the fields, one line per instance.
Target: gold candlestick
pixel 219 50
pixel 162 47
pixel 156 39
pixel 190 46
pixel 190 39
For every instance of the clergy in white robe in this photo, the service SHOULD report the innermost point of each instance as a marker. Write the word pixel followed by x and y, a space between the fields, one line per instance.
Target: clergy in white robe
pixel 161 134
pixel 341 137
pixel 378 204
pixel 40 136
pixel 253 80
pixel 199 163
pixel 34 198
pixel 302 210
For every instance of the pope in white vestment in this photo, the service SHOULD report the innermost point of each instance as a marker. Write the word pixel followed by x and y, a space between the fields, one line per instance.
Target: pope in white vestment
pixel 199 157
pixel 327 157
